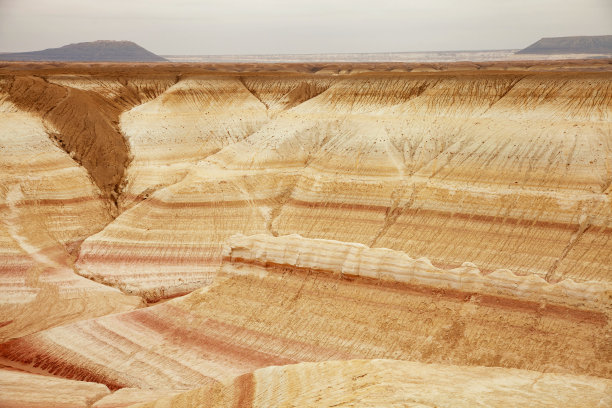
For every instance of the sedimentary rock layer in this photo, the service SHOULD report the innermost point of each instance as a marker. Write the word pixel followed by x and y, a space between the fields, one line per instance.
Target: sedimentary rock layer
pixel 190 121
pixel 126 397
pixel 286 300
pixel 505 170
pixel 280 93
pixel 48 205
pixel 388 383
pixel 480 174
pixel 25 390
pixel 196 118
pixel 83 114
pixel 83 127
pixel 356 260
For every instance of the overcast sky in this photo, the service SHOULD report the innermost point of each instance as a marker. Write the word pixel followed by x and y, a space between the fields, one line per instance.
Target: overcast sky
pixel 309 26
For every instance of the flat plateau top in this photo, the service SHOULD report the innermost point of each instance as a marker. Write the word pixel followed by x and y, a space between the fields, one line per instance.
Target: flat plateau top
pixel 319 68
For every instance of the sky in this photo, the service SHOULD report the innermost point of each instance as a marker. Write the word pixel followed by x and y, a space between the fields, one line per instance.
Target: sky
pixel 217 27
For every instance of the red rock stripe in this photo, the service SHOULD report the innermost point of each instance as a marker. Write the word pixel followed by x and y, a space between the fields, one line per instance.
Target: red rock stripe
pixel 558 311
pixel 124 341
pixel 246 386
pixel 373 208
pixel 206 204
pixel 128 260
pixel 51 201
pixel 40 354
pixel 209 344
pixel 437 213
pixel 232 331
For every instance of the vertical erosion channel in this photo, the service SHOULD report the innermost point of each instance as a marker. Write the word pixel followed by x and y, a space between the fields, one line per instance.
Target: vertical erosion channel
pixel 85 124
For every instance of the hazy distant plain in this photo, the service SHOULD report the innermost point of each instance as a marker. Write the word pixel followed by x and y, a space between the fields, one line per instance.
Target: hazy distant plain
pixel 433 56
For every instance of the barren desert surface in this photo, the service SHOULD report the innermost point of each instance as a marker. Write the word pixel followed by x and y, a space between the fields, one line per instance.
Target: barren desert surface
pixel 309 235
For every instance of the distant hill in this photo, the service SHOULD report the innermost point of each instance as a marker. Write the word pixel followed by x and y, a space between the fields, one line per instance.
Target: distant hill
pixel 600 44
pixel 116 51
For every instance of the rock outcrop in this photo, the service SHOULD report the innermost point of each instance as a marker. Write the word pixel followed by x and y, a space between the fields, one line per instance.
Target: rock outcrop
pixel 284 300
pixel 190 121
pixel 350 260
pixel 82 116
pixel 388 383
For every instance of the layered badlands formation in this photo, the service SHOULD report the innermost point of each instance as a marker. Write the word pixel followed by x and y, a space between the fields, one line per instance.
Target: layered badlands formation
pixel 48 206
pixel 391 383
pixel 347 238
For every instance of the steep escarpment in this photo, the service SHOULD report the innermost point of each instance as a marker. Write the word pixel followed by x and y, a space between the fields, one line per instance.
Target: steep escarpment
pixel 83 125
pixel 519 178
pixel 193 119
pixel 224 194
pixel 198 117
pixel 62 161
pixel 282 93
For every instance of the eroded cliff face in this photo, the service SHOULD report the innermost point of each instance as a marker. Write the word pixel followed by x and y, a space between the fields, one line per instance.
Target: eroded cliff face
pixel 283 300
pixel 389 383
pixel 502 170
pixel 458 218
pixel 63 161
pixel 48 206
pixel 82 116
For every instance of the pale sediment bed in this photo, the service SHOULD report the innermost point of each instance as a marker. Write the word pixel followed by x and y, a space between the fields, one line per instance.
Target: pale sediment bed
pixel 26 390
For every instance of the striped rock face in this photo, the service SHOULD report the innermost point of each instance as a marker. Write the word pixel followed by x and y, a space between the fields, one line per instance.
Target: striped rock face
pixel 193 119
pixel 284 300
pixel 25 390
pixel 388 383
pixel 48 205
pixel 179 235
pixel 126 397
pixel 503 170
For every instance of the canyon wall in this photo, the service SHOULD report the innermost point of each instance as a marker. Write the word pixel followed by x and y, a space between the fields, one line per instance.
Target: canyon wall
pixel 503 170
